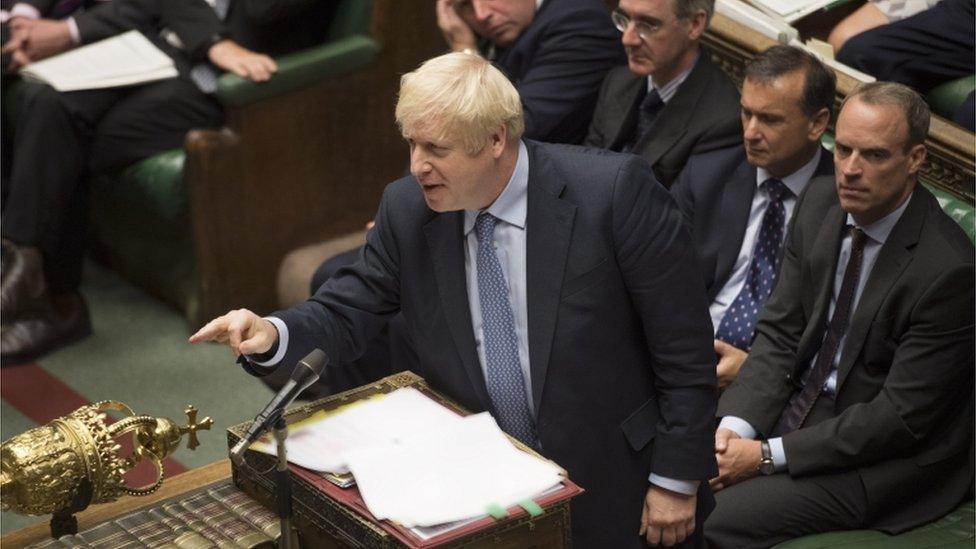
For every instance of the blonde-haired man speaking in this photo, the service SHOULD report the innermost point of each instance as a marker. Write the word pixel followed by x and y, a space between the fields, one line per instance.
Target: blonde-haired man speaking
pixel 551 285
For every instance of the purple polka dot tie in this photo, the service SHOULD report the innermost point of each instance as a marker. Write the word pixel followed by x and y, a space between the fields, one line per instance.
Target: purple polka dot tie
pixel 506 386
pixel 739 322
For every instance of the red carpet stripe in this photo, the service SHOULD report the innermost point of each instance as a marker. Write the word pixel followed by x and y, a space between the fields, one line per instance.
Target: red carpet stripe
pixel 42 397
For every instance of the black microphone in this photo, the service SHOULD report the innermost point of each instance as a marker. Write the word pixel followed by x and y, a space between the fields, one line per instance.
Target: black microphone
pixel 306 372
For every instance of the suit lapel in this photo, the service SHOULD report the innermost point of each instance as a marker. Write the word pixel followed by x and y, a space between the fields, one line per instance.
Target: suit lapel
pixel 673 121
pixel 823 266
pixel 736 202
pixel 444 237
pixel 623 118
pixel 549 226
pixel 894 256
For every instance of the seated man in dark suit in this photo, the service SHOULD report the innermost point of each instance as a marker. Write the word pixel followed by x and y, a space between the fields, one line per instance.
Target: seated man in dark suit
pixel 922 51
pixel 63 136
pixel 556 52
pixel 739 200
pixel 670 101
pixel 554 286
pixel 854 408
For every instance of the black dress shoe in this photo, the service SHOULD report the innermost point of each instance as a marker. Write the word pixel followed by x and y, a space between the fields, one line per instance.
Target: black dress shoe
pixel 22 285
pixel 62 321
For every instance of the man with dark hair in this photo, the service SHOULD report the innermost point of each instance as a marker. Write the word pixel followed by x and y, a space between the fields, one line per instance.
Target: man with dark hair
pixel 854 408
pixel 739 200
pixel 556 52
pixel 669 101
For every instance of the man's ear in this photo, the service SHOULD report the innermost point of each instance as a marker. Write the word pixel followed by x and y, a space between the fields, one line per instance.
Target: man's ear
pixel 699 21
pixel 818 124
pixel 916 156
pixel 498 141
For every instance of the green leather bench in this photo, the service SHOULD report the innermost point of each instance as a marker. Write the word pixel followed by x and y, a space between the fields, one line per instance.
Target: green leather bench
pixel 142 221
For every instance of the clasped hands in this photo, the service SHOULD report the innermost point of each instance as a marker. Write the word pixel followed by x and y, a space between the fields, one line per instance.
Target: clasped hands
pixel 34 39
pixel 738 459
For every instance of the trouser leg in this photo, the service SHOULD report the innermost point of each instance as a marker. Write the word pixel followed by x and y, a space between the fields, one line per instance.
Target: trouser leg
pixel 767 510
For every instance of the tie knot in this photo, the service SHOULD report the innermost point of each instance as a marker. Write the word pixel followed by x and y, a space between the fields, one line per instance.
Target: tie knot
pixel 484 225
pixel 652 102
pixel 775 189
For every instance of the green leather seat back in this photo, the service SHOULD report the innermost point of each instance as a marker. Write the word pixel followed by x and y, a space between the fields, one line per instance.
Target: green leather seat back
pixel 946 98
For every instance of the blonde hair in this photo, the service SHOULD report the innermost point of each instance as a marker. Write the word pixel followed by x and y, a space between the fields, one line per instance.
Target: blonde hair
pixel 461 96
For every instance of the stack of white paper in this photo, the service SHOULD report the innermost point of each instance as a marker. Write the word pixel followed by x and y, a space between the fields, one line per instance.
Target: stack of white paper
pixel 791 10
pixel 418 463
pixel 451 475
pixel 324 445
pixel 122 60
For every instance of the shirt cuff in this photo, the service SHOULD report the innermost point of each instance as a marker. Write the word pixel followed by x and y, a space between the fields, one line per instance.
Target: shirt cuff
pixel 686 487
pixel 24 10
pixel 73 30
pixel 740 426
pixel 282 343
pixel 779 455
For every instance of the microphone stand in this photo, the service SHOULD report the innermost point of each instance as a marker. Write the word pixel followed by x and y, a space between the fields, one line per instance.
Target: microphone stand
pixel 283 485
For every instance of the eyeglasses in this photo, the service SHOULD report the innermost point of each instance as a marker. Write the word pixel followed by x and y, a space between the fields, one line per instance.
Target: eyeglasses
pixel 644 29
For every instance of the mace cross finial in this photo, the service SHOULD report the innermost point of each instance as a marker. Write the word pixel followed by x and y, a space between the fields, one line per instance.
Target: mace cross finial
pixel 192 426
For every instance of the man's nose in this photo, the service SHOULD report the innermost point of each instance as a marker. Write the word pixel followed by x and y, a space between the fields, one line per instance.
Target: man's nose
pixel 481 11
pixel 750 129
pixel 630 36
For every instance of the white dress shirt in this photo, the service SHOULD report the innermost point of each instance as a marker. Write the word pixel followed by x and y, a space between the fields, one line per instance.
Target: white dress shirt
pixel 795 182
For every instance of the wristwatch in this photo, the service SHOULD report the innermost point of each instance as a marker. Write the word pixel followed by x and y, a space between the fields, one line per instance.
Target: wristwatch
pixel 765 466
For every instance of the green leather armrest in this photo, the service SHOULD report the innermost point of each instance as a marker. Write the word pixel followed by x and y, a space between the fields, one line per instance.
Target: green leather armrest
pixel 300 69
pixel 946 98
pixel 958 209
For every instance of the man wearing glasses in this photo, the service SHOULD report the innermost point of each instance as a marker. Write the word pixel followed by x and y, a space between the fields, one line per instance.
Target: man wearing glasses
pixel 670 100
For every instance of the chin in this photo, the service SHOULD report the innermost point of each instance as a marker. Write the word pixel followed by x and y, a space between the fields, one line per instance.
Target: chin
pixel 639 68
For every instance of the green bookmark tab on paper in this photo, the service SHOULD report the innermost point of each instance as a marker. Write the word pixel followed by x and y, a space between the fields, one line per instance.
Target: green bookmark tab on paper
pixel 531 507
pixel 497 511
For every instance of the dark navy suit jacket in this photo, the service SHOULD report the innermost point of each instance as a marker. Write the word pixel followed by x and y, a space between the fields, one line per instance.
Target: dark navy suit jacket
pixel 557 64
pixel 715 193
pixel 620 342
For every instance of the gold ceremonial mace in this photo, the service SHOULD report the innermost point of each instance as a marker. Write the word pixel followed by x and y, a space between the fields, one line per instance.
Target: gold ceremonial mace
pixel 74 461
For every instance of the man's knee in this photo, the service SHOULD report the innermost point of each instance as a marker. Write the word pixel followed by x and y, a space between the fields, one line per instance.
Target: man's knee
pixel 860 50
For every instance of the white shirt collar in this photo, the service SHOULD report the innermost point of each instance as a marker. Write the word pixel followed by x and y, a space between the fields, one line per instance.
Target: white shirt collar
pixel 511 206
pixel 668 90
pixel 796 181
pixel 880 229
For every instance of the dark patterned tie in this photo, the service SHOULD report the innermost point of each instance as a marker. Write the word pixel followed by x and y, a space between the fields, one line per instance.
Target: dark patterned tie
pixel 739 322
pixel 647 113
pixel 800 405
pixel 506 386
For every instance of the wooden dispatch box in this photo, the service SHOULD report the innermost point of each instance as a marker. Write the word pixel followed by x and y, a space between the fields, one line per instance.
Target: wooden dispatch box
pixel 328 516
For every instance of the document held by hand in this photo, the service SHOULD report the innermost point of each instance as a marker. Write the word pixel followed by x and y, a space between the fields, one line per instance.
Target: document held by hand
pixel 122 60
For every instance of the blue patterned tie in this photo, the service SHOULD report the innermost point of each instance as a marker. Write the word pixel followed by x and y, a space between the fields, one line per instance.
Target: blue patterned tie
pixel 505 384
pixel 739 322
